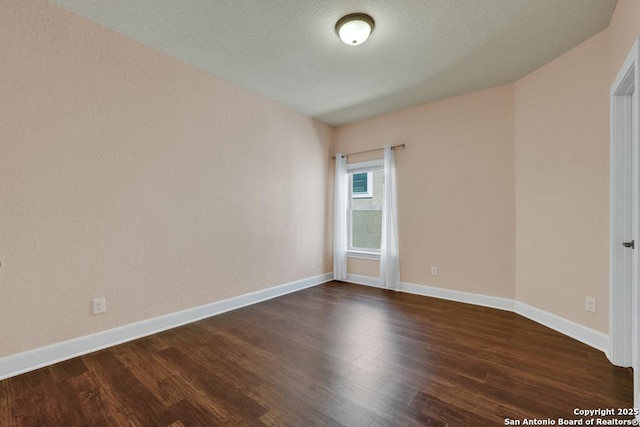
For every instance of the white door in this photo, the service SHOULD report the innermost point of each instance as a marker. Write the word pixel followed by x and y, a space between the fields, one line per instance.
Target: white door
pixel 624 326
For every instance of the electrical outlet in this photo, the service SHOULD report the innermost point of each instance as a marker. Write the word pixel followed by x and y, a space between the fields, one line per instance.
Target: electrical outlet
pixel 99 305
pixel 319 262
pixel 434 271
pixel 590 304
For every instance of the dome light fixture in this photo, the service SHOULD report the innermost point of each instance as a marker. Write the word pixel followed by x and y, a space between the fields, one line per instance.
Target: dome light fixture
pixel 355 28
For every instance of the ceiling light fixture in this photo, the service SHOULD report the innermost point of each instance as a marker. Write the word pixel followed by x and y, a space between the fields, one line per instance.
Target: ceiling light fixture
pixel 355 28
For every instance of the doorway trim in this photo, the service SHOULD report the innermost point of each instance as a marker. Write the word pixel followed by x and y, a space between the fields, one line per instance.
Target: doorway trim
pixel 623 292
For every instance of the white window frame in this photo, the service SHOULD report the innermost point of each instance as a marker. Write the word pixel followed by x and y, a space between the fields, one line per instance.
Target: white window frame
pixel 361 167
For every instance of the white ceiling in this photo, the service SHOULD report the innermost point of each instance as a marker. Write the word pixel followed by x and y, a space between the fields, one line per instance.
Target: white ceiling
pixel 420 51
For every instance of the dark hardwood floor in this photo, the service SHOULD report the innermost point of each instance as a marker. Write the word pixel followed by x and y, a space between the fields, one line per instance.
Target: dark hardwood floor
pixel 336 354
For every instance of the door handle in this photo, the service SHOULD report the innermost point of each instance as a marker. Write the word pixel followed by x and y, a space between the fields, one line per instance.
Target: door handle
pixel 631 244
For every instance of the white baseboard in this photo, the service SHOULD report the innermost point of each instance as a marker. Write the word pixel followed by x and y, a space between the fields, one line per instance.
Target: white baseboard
pixel 37 358
pixel 459 296
pixel 430 291
pixel 593 338
pixel 364 280
pixel 44 356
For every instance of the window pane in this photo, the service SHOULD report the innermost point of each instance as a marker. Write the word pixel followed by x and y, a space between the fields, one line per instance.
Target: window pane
pixel 360 183
pixel 366 229
pixel 366 210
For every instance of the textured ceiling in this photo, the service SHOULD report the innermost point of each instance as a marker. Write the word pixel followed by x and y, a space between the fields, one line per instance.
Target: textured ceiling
pixel 420 51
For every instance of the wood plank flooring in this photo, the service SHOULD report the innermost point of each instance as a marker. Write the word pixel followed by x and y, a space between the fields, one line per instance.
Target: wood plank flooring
pixel 335 355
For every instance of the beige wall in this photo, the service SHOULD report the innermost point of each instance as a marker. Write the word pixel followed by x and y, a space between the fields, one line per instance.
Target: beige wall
pixel 623 30
pixel 562 174
pixel 562 185
pixel 130 175
pixel 456 188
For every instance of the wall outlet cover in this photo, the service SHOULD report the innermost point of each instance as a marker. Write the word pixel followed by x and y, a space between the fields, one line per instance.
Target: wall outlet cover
pixel 590 304
pixel 99 305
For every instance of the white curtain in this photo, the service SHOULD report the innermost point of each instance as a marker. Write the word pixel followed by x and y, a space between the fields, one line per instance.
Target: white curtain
pixel 341 196
pixel 389 260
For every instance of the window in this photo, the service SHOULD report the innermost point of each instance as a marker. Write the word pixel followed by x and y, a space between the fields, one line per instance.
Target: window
pixel 361 185
pixel 366 186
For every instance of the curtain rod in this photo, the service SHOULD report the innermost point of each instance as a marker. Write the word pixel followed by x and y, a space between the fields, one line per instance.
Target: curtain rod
pixel 370 151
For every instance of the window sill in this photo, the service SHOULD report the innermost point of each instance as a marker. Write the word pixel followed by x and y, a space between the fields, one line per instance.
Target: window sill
pixel 364 255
